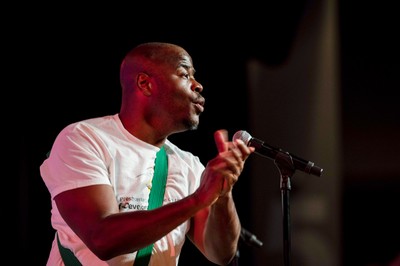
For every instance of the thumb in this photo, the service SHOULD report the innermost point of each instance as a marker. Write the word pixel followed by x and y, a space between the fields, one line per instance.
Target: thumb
pixel 221 140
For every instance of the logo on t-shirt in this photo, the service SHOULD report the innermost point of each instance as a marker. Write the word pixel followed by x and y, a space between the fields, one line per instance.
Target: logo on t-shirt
pixel 132 203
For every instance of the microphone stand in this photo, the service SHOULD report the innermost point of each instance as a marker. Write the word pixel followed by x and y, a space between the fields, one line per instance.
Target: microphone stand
pixel 285 165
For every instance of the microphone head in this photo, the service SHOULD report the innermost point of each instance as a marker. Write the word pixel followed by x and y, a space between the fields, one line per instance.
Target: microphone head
pixel 242 135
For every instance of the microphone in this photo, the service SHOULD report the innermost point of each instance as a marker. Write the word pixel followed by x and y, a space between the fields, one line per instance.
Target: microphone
pixel 250 238
pixel 265 150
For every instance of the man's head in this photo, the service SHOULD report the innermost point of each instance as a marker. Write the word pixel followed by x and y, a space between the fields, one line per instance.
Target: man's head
pixel 158 85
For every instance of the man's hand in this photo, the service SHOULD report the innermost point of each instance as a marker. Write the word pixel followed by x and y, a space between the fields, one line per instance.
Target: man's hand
pixel 234 154
pixel 223 171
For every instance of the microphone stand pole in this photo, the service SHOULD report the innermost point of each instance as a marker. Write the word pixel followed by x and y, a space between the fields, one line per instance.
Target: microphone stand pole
pixel 285 165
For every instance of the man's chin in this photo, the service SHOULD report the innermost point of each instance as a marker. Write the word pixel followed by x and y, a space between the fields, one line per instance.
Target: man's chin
pixel 192 124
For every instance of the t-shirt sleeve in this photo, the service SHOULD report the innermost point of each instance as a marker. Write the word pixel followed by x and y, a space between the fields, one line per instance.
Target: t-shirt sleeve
pixel 77 159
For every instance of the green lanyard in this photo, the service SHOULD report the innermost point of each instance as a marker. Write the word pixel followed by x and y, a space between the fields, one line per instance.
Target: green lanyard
pixel 67 255
pixel 155 199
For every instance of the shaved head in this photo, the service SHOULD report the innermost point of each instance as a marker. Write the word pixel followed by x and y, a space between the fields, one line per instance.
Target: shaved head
pixel 148 57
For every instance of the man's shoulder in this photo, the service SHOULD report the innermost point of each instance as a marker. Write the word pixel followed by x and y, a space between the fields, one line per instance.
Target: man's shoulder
pixel 93 121
pixel 94 124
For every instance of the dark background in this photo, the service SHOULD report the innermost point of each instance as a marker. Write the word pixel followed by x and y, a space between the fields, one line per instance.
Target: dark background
pixel 66 63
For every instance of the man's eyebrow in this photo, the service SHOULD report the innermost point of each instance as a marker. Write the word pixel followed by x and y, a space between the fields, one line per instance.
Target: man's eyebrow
pixel 188 67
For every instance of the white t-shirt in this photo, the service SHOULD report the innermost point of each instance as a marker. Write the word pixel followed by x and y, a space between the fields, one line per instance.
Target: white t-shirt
pixel 102 151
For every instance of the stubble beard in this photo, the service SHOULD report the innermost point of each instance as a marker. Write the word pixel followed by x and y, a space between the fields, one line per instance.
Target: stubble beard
pixel 192 124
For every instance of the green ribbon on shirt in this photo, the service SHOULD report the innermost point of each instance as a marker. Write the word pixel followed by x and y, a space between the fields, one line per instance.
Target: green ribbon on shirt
pixel 155 199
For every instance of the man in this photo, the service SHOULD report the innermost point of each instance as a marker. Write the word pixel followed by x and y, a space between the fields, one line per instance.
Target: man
pixel 99 172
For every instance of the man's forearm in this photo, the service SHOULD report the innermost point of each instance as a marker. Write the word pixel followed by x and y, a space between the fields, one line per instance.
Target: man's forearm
pixel 222 230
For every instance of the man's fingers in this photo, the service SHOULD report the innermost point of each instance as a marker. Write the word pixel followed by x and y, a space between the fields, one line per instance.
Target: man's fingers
pixel 221 140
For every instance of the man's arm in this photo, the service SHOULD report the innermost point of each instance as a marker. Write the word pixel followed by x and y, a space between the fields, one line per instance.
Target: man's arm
pixel 92 213
pixel 216 230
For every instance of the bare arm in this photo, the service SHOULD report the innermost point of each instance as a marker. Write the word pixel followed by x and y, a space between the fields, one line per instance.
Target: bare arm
pixel 216 230
pixel 92 213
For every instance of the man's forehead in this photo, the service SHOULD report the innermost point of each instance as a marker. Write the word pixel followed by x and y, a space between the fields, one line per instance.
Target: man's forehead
pixel 185 61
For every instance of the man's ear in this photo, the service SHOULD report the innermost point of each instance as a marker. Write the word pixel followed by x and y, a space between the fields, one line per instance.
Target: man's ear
pixel 143 83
